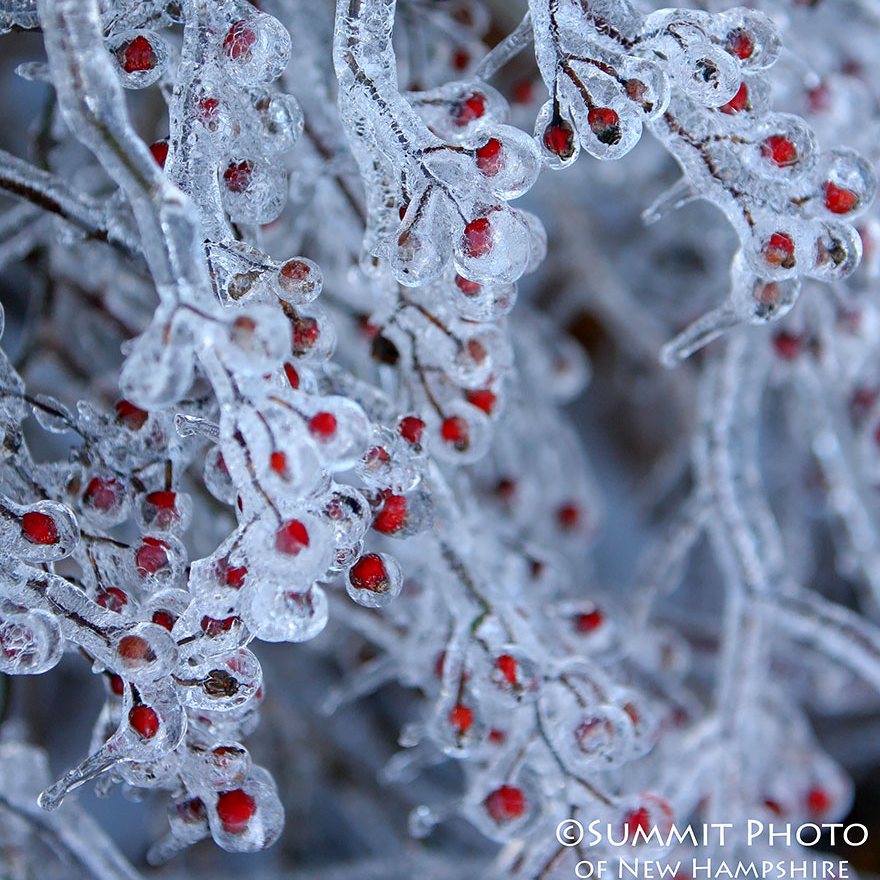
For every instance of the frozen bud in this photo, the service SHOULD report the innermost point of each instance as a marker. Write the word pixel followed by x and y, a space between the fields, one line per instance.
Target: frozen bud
pixel 508 160
pixel 463 435
pixel 30 642
pixel 253 189
pixel 279 612
pixel 299 280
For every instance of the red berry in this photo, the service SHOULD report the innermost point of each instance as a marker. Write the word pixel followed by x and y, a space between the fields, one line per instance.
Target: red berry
pixel 103 494
pixel 392 516
pixel 411 429
pixel 568 516
pixel 471 108
pixel 559 139
pixel 637 819
pixel 164 618
pixel 505 804
pixel 461 718
pixel 130 415
pixel 740 44
pixel 839 200
pixel 239 41
pixel 738 103
pixel 207 110
pixel 235 576
pixel 235 809
pixel 112 598
pixel 322 425
pixel 589 621
pixel 787 345
pixel 117 685
pixel 454 430
pixel 164 508
pixel 212 627
pixel 291 538
pixel 482 399
pixel 159 152
pixel 144 720
pixel 296 271
pixel 151 557
pixel 369 573
pixel 278 463
pixel 136 56
pixel 778 250
pixel 490 157
pixel 478 237
pixel 467 287
pixel 460 59
pixel 497 737
pixel 779 150
pixel 522 91
pixel 506 665
pixel 135 649
pixel 39 528
pixel 605 124
pixel 305 334
pixel 818 801
pixel 292 376
pixel 237 175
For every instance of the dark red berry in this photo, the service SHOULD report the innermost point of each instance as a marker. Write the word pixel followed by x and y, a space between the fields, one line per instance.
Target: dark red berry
pixel 506 665
pixel 818 801
pixel 164 508
pixel 112 598
pixel 39 528
pixel 787 345
pixel 589 621
pixel 467 287
pixel 159 151
pixel 839 200
pixel 291 538
pixel 322 425
pixel 292 376
pixel 237 175
pixel 778 250
pixel 235 809
pixel 559 139
pixel 411 429
pixel 117 685
pixel 454 430
pixel 779 150
pixel 482 399
pixel 478 237
pixel 369 573
pixel 164 618
pixel 144 720
pixel 740 44
pixel 239 41
pixel 505 804
pixel 151 557
pixel 212 627
pixel 136 56
pixel 568 516
pixel 738 103
pixel 490 157
pixel 130 415
pixel 466 111
pixel 605 124
pixel 103 494
pixel 638 819
pixel 392 515
pixel 461 718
